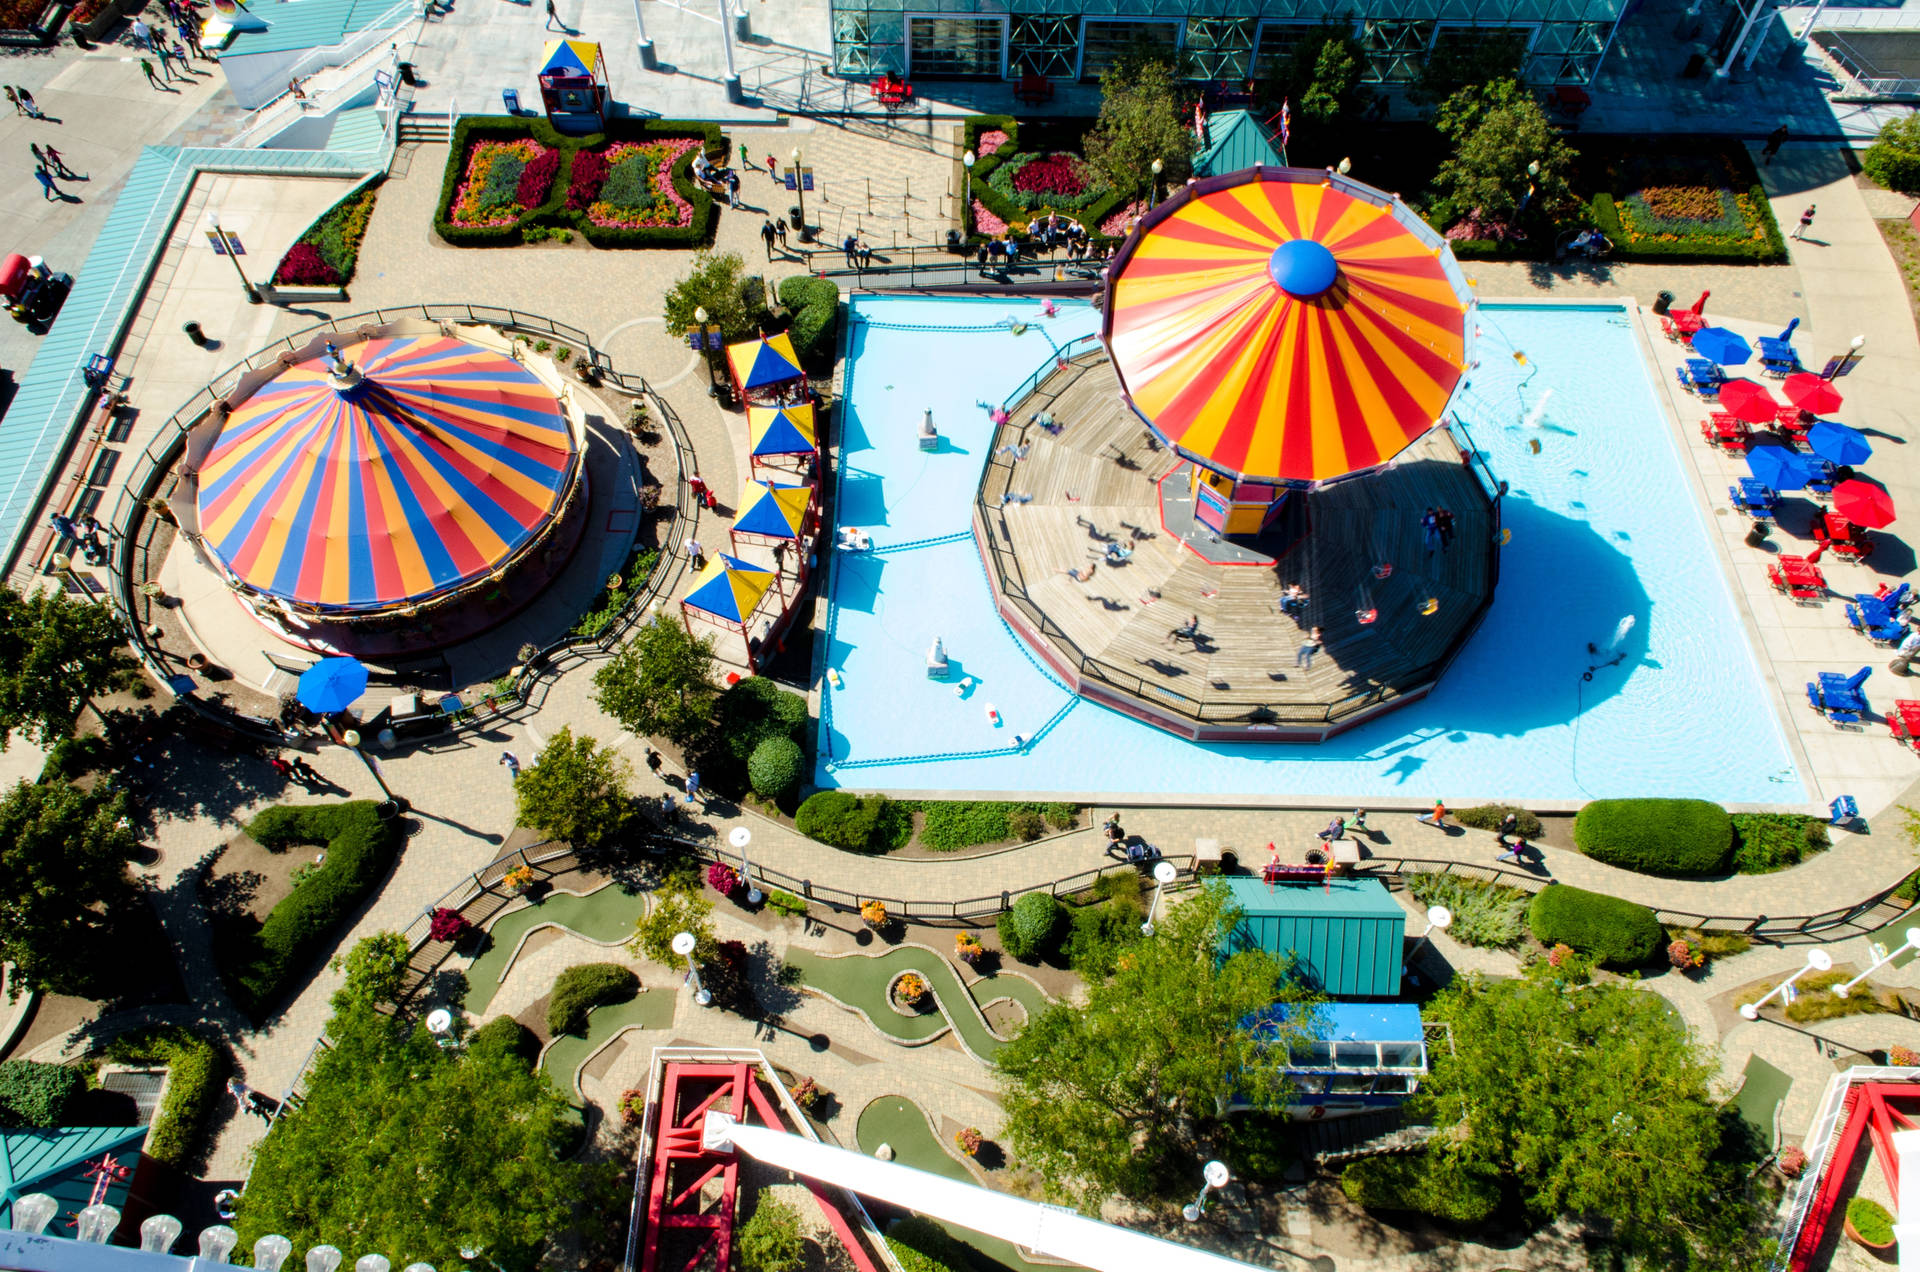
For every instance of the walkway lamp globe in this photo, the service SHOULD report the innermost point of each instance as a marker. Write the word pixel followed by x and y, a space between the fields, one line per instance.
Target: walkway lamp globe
pixel 1163 874
pixel 683 943
pixel 217 1243
pixel 740 837
pixel 1215 1175
pixel 270 1251
pixel 227 245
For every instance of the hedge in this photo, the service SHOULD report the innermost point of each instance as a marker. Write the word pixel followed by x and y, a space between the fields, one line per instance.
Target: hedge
pixel 582 988
pixel 197 1070
pixel 503 1035
pixel 1656 836
pixel 1422 1184
pixel 921 1245
pixel 815 305
pixel 1027 930
pixel 360 848
pixel 1615 932
pixel 36 1094
pixel 554 211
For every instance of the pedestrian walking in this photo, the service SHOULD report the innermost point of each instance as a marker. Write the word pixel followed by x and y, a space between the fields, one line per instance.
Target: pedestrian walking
pixel 146 68
pixel 1806 219
pixel 553 15
pixel 1438 817
pixel 512 762
pixel 48 190
pixel 1308 648
pixel 693 788
pixel 1775 139
pixel 767 235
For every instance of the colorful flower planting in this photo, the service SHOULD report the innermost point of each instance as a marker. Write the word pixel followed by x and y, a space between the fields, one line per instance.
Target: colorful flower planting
pixel 630 185
pixel 494 193
pixel 1057 180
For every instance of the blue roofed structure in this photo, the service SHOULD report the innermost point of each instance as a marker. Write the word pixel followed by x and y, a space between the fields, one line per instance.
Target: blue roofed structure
pixel 56 1161
pixel 1236 140
pixel 1346 935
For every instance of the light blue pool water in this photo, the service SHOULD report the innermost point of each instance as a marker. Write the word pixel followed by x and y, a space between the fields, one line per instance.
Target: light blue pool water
pixel 1605 526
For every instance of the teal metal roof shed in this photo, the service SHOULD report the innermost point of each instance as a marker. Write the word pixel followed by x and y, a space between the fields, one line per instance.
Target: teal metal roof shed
pixel 1237 141
pixel 54 1160
pixel 1347 935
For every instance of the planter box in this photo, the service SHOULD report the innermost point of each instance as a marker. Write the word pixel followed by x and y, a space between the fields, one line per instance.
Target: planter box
pixel 276 294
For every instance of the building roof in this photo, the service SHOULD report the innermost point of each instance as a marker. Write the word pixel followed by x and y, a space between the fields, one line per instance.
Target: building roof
pixel 1347 935
pixel 1238 141
pixel 54 1160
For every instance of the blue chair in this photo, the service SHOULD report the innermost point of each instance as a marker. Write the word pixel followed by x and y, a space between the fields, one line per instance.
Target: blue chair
pixel 1754 498
pixel 1838 697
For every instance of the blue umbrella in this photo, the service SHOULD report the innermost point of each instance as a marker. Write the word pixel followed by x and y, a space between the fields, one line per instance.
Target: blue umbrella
pixel 1839 443
pixel 1778 467
pixel 332 684
pixel 1717 344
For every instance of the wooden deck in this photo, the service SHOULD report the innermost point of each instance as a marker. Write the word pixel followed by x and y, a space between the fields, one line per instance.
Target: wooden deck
pixel 1097 482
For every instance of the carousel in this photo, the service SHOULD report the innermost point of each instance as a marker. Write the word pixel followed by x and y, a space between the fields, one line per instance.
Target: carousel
pixel 390 490
pixel 1250 516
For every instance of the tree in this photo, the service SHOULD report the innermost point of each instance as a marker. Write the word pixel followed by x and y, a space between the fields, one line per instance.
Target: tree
pixel 414 1151
pixel 661 682
pixel 576 790
pixel 1498 129
pixel 1140 121
pixel 1125 1093
pixel 63 884
pixel 1322 77
pixel 55 655
pixel 720 285
pixel 1589 1100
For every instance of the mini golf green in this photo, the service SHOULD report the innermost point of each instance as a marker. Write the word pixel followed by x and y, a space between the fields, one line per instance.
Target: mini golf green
pixel 898 1121
pixel 653 1009
pixel 861 981
pixel 606 914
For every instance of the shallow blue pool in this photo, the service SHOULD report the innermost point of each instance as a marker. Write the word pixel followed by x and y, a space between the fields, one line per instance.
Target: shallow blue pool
pixel 1605 527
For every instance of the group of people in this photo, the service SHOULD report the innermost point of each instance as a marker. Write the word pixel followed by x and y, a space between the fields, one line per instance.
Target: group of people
pixel 1436 530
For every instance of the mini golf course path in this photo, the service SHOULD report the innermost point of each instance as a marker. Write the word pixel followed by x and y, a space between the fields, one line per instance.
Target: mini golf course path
pixel 860 981
pixel 606 916
pixel 897 1121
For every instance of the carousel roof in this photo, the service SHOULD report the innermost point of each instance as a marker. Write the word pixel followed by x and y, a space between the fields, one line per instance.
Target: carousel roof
pixel 1285 324
pixel 441 463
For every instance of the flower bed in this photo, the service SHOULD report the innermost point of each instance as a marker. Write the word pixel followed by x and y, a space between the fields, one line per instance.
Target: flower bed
pixel 327 254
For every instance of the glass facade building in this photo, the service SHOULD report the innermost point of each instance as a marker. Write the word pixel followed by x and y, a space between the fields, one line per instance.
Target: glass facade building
pixel 1228 40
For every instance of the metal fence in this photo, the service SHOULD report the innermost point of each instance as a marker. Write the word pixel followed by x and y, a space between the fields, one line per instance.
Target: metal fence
pixel 135 526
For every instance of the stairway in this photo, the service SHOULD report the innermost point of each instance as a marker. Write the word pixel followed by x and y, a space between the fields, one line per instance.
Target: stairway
pixel 425 128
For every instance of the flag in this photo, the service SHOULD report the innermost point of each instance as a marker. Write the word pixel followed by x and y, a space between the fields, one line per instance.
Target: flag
pixel 1286 122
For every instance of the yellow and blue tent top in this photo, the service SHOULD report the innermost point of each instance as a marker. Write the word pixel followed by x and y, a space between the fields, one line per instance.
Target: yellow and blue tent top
pixel 765 360
pixel 569 57
pixel 781 430
pixel 772 509
pixel 729 588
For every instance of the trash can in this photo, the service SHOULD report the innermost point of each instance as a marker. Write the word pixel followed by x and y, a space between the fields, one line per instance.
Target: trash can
pixel 1663 302
pixel 406 73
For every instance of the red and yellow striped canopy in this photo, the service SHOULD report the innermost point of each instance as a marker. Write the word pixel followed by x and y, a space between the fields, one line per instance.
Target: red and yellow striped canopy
pixel 1285 324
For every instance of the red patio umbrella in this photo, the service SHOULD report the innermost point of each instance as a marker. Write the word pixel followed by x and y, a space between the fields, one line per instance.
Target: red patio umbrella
pixel 1863 503
pixel 1745 400
pixel 1811 393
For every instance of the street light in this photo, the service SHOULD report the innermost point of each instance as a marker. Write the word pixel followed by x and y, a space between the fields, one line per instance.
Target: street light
pixel 1163 874
pixel 740 837
pixel 799 190
pixel 227 246
pixel 683 944
pixel 1215 1176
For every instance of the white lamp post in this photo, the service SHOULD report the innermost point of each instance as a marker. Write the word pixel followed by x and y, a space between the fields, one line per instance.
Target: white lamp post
pixel 1215 1176
pixel 740 837
pixel 1163 874
pixel 1881 958
pixel 683 944
pixel 1817 961
pixel 227 246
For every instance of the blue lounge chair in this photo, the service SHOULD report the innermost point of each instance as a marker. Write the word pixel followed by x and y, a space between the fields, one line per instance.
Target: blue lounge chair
pixel 1838 697
pixel 1754 498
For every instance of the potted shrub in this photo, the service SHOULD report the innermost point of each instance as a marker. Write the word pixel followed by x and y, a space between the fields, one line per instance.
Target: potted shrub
pixel 448 925
pixel 969 948
pixel 723 878
pixel 874 913
pixel 969 1140
pixel 1869 1224
pixel 910 991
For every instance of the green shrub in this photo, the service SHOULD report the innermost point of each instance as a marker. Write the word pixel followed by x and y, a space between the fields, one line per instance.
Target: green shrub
pixel 815 305
pixel 503 1035
pixel 786 903
pixel 1489 915
pixel 921 1245
pixel 1487 817
pixel 770 1240
pixel 1423 1184
pixel 360 848
pixel 1617 933
pixel 1764 842
pixel 1893 160
pixel 1656 836
pixel 197 1072
pixel 773 770
pixel 858 823
pixel 581 988
pixel 1027 930
pixel 36 1094
pixel 1871 1220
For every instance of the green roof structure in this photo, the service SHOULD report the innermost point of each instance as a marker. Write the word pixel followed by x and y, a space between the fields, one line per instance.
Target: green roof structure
pixel 1238 141
pixel 54 1160
pixel 1346 935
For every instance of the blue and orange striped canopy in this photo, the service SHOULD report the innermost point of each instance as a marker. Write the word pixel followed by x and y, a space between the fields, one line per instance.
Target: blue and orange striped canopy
pixel 435 469
pixel 729 588
pixel 780 430
pixel 1287 324
pixel 771 509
